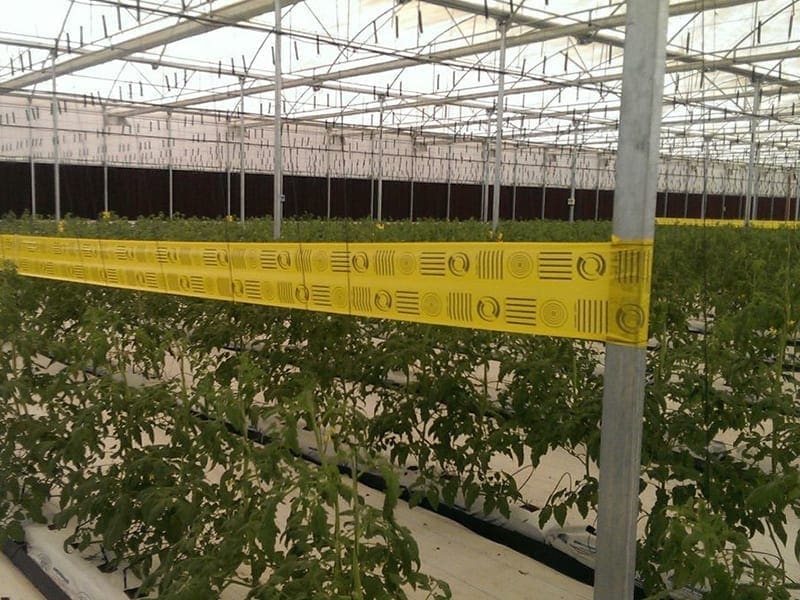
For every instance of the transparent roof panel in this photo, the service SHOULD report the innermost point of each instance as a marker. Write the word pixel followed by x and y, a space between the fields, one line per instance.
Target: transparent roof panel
pixel 431 67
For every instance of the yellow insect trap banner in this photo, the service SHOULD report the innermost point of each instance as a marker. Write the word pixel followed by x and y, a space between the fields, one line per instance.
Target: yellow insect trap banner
pixel 594 291
pixel 727 223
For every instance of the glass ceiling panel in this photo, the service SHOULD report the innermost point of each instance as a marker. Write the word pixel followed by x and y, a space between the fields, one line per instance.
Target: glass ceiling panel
pixel 430 66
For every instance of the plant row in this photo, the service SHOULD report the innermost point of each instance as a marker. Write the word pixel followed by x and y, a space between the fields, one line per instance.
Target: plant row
pixel 195 508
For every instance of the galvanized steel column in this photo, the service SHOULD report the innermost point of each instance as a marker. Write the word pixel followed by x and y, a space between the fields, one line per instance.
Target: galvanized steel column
pixel 56 171
pixel 30 157
pixel 380 162
pixel 277 201
pixel 750 210
pixel 573 175
pixel 634 212
pixel 498 142
pixel 169 159
pixel 514 185
pixel 105 159
pixel 449 176
pixel 241 152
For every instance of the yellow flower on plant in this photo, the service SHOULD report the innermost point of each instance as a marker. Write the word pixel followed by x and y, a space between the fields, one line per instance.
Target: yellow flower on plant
pixel 61 226
pixel 105 215
pixel 229 218
pixel 379 226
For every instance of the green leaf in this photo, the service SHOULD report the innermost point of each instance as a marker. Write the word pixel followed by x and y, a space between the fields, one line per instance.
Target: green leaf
pixel 560 513
pixel 432 496
pixel 15 532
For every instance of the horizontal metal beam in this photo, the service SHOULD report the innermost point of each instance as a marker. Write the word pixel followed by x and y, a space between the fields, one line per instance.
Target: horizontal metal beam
pixel 690 64
pixel 530 37
pixel 223 17
pixel 152 60
pixel 593 32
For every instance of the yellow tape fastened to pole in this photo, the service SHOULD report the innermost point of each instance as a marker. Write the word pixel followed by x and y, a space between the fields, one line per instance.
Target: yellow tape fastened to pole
pixel 594 291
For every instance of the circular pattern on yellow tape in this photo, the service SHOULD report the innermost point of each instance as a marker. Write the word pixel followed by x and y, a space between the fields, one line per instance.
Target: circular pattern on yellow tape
pixel 383 300
pixel 488 308
pixel 406 263
pixel 458 264
pixel 431 305
pixel 319 261
pixel 251 259
pixel 222 257
pixel 339 297
pixel 553 313
pixel 284 259
pixel 520 265
pixel 630 318
pixel 360 262
pixel 237 287
pixel 302 294
pixel 591 266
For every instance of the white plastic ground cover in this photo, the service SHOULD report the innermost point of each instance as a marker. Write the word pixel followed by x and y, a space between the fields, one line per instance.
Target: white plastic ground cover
pixel 13 583
pixel 78 576
pixel 570 540
pixel 475 568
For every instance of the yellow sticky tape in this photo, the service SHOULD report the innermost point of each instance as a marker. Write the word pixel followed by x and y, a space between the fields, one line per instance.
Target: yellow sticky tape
pixel 595 291
pixel 727 223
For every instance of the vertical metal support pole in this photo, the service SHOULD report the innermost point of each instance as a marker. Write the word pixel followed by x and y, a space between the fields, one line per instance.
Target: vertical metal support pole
pixel 704 202
pixel 30 157
pixel 56 169
pixel 634 212
pixel 371 175
pixel 241 152
pixel 169 159
pixel 105 159
pixel 772 206
pixel 597 192
pixel 413 169
pixel 749 209
pixel 485 177
pixel 797 195
pixel 514 185
pixel 725 175
pixel 686 194
pixel 742 196
pixel 380 162
pixel 787 207
pixel 498 141
pixel 327 174
pixel 573 169
pixel 544 182
pixel 228 166
pixel 278 195
pixel 449 177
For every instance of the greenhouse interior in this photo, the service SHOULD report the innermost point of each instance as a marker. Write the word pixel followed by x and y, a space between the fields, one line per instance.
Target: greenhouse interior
pixel 376 299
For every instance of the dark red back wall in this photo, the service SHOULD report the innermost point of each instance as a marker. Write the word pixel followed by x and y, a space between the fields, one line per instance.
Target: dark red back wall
pixel 134 192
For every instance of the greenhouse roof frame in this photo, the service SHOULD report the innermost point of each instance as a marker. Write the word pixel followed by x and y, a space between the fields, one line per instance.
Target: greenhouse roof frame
pixel 367 49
